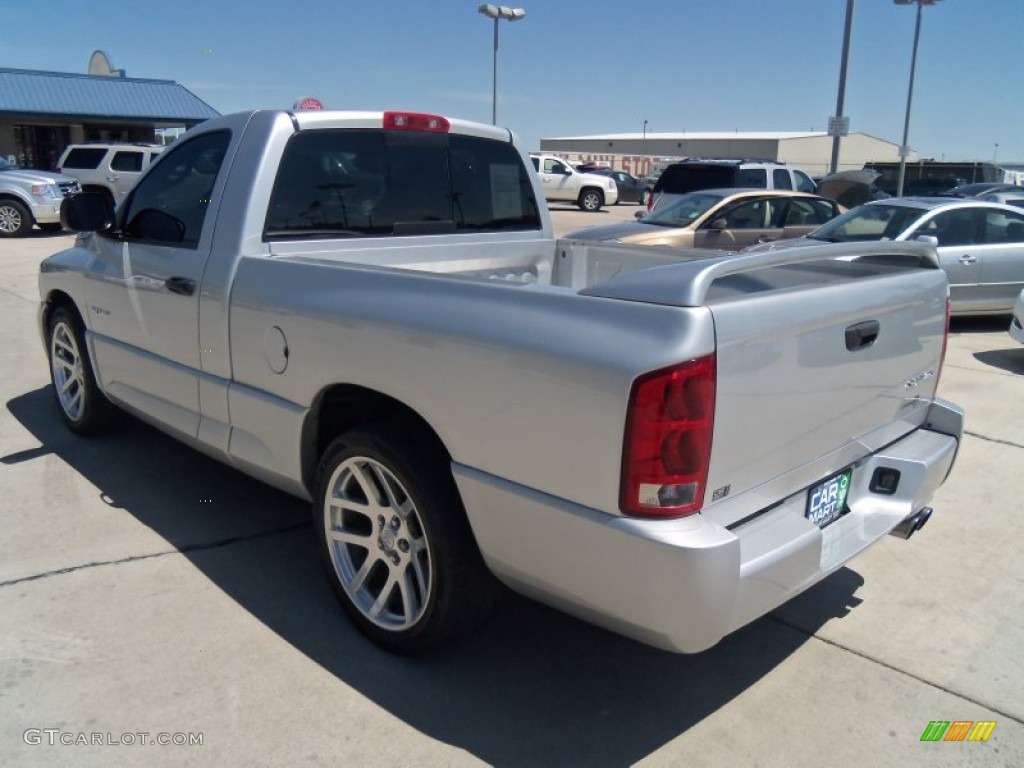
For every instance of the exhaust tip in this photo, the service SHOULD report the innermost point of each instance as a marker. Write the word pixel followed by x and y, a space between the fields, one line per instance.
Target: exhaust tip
pixel 912 524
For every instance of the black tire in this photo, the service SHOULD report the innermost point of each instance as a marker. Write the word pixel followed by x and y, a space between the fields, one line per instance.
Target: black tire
pixel 15 219
pixel 401 558
pixel 82 406
pixel 591 199
pixel 54 226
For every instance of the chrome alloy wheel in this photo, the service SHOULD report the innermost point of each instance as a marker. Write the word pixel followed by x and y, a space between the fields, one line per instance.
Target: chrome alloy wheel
pixel 68 374
pixel 10 219
pixel 377 544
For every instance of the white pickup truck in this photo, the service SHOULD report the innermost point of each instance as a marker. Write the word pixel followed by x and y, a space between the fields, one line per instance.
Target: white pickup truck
pixel 369 311
pixel 564 184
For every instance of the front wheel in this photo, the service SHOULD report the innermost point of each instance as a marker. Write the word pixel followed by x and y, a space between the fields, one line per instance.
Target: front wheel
pixel 15 219
pixel 591 200
pixel 394 537
pixel 83 407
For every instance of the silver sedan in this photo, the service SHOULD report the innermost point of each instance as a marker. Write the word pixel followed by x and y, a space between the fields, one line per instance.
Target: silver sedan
pixel 980 245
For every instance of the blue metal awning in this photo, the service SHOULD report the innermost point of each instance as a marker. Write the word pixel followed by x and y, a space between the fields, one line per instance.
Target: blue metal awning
pixel 67 94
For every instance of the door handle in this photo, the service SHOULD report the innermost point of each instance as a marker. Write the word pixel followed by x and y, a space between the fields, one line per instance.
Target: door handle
pixel 861 335
pixel 967 259
pixel 181 285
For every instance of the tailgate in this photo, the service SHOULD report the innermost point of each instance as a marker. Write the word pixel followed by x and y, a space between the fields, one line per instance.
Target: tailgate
pixel 825 354
pixel 821 378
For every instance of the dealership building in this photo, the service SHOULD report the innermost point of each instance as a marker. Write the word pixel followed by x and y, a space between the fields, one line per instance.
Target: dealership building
pixel 811 151
pixel 42 112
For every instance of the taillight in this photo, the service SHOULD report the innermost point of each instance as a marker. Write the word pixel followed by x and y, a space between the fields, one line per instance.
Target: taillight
pixel 650 201
pixel 668 440
pixel 416 121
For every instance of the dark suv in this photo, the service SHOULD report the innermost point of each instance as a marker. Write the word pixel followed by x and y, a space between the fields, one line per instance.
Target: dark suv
pixel 693 175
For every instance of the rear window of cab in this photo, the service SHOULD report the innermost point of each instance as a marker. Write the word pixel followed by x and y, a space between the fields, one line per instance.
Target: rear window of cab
pixel 372 183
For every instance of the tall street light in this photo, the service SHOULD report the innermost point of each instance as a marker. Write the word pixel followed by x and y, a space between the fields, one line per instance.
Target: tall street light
pixel 910 90
pixel 497 12
pixel 838 129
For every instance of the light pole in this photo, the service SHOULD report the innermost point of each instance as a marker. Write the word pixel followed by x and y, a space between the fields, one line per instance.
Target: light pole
pixel 910 90
pixel 497 12
pixel 842 84
pixel 643 149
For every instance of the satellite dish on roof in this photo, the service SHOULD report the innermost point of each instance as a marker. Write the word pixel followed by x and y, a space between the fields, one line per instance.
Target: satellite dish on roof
pixel 99 64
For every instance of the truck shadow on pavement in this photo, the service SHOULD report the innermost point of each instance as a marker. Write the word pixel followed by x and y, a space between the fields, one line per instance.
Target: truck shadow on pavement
pixel 535 687
pixel 1009 360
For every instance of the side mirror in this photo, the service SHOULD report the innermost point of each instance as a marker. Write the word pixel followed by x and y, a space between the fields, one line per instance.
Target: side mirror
pixel 930 239
pixel 87 212
pixel 566 171
pixel 158 226
pixel 718 225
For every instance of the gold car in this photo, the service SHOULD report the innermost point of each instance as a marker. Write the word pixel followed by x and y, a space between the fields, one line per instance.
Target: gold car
pixel 723 219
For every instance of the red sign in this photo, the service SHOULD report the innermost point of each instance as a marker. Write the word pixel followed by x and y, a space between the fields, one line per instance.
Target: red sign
pixel 308 103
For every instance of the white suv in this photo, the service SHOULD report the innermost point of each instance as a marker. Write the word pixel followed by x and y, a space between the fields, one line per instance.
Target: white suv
pixel 695 174
pixel 563 183
pixel 110 168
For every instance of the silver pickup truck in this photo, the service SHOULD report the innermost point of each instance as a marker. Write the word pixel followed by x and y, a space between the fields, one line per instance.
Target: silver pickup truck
pixel 369 310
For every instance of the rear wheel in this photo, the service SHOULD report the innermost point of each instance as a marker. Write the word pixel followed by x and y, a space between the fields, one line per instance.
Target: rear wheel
pixel 82 406
pixel 15 219
pixel 591 200
pixel 395 539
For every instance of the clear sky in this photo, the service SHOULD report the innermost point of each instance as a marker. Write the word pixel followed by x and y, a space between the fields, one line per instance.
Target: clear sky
pixel 571 67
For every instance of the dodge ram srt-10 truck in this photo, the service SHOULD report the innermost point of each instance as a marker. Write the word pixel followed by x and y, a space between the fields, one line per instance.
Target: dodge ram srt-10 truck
pixel 369 311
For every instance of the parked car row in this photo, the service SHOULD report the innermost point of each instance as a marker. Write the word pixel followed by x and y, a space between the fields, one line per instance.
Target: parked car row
pixel 31 197
pixel 980 244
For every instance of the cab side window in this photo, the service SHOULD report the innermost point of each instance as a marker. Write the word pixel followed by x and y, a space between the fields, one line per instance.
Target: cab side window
pixel 781 180
pixel 1002 227
pixel 952 228
pixel 126 161
pixel 808 213
pixel 749 215
pixel 804 182
pixel 752 177
pixel 169 205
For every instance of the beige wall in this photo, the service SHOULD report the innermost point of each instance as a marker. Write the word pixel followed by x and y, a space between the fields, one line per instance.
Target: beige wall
pixel 814 153
pixel 810 153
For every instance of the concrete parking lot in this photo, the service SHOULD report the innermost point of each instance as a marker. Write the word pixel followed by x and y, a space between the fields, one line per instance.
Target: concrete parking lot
pixel 146 589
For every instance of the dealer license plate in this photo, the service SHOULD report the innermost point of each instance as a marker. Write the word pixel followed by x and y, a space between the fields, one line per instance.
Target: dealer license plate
pixel 826 502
